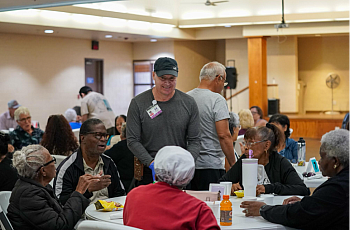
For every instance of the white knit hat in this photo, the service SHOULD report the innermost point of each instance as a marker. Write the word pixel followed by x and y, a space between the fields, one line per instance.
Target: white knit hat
pixel 174 165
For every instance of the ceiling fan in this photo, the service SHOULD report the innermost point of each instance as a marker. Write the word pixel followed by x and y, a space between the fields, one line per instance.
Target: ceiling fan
pixel 209 3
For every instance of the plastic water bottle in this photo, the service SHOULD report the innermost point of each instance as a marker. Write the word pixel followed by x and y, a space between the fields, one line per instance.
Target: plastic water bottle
pixel 226 211
pixel 301 151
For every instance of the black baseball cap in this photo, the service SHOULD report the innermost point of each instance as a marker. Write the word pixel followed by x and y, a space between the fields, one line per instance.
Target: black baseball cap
pixel 165 65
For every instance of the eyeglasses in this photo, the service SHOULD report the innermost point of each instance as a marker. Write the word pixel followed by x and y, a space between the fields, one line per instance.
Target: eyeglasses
pixel 171 79
pixel 98 135
pixel 306 174
pixel 250 144
pixel 46 164
pixel 25 119
pixel 253 112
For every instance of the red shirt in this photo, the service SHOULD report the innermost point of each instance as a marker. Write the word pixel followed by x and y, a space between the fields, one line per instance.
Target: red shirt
pixel 161 206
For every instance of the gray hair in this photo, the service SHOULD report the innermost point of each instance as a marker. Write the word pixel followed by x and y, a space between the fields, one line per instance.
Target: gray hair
pixel 123 129
pixel 336 144
pixel 211 70
pixel 70 115
pixel 19 111
pixel 28 160
pixel 233 122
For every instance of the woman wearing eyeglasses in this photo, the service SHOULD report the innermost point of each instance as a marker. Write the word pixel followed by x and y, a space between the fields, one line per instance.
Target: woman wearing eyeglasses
pixel 33 204
pixel 278 176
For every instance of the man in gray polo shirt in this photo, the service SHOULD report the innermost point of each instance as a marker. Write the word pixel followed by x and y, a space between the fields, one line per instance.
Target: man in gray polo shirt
pixel 160 117
pixel 216 140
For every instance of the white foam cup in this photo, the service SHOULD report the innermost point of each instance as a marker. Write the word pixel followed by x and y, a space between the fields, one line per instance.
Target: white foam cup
pixel 228 186
pixel 215 207
pixel 268 198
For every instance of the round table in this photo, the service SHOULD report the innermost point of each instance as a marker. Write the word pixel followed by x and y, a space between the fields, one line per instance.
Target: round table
pixel 239 221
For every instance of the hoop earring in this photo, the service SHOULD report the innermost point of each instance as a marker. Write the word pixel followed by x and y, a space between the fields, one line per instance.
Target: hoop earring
pixel 335 166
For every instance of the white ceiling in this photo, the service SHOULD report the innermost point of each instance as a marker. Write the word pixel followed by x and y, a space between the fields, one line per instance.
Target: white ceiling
pixel 242 15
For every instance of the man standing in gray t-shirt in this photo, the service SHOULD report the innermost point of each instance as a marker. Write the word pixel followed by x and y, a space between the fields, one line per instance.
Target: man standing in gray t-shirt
pixel 160 117
pixel 216 142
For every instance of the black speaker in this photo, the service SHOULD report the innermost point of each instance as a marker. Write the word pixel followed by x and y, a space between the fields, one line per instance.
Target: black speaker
pixel 273 106
pixel 231 77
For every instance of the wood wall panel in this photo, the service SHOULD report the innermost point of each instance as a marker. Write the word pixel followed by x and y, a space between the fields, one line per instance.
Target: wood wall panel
pixel 257 72
pixel 313 128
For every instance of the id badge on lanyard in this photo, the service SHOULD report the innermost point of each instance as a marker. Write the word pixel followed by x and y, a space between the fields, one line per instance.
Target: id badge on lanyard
pixel 154 110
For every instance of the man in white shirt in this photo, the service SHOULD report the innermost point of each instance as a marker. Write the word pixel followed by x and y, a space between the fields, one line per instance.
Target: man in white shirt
pixel 7 120
pixel 216 142
pixel 95 105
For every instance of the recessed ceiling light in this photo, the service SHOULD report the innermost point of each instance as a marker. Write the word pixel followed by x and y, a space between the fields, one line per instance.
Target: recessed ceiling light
pixel 153 40
pixel 48 31
pixel 228 26
pixel 108 36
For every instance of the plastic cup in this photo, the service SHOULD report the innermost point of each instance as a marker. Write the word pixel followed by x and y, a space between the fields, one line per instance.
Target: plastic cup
pixel 228 186
pixel 215 207
pixel 268 198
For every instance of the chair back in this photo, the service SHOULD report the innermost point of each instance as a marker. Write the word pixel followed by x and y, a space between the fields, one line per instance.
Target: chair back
pixel 345 121
pixel 5 200
pixel 240 139
pixel 92 225
pixel 4 221
pixel 76 133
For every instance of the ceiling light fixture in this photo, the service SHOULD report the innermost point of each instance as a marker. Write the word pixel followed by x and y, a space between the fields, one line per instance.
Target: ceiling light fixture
pixel 48 31
pixel 108 36
pixel 153 40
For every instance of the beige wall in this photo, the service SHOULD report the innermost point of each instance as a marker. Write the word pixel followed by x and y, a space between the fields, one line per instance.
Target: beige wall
pixel 237 49
pixel 45 74
pixel 319 56
pixel 191 56
pixel 153 50
pixel 282 66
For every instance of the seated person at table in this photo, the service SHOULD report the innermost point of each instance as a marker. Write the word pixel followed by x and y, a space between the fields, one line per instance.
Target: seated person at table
pixel 279 176
pixel 8 175
pixel 89 159
pixel 33 204
pixel 290 148
pixel 7 120
pixel 59 138
pixel 258 116
pixel 71 116
pixel 164 205
pixel 246 120
pixel 123 158
pixel 24 134
pixel 328 207
pixel 234 127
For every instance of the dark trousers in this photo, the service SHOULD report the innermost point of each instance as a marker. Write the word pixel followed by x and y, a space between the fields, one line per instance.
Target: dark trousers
pixel 203 177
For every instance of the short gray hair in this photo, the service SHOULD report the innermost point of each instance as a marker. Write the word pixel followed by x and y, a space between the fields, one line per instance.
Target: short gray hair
pixel 211 70
pixel 70 115
pixel 336 144
pixel 233 122
pixel 123 129
pixel 19 111
pixel 28 160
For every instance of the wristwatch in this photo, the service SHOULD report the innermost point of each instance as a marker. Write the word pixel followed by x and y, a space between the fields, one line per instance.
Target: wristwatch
pixel 263 208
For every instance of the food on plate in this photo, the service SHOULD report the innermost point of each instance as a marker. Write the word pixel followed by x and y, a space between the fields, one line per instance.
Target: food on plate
pixel 108 205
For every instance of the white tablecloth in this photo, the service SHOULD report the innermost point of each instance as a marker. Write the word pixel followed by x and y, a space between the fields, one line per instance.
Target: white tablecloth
pixel 313 183
pixel 239 221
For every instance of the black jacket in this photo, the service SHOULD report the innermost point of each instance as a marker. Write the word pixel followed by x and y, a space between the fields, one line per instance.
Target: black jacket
pixel 33 206
pixel 327 208
pixel 124 159
pixel 71 168
pixel 282 175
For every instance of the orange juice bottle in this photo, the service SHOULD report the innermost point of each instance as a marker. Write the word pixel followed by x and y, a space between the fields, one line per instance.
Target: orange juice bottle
pixel 226 211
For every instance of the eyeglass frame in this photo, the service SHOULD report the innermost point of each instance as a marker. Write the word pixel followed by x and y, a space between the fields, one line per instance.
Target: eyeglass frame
pixel 252 143
pixel 106 135
pixel 163 79
pixel 47 163
pixel 25 119
pixel 222 78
